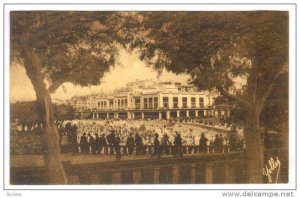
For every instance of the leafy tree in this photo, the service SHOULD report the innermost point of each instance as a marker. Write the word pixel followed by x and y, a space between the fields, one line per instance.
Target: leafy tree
pixel 62 112
pixel 219 49
pixel 221 100
pixel 275 111
pixel 57 47
pixel 26 113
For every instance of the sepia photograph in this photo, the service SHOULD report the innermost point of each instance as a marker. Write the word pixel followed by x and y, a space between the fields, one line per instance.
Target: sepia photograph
pixel 143 97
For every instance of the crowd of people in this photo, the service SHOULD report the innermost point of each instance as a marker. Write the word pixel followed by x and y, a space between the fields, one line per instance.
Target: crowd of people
pixel 164 137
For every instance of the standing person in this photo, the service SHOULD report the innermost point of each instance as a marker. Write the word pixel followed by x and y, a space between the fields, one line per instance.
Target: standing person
pixel 117 146
pixel 165 144
pixel 221 143
pixel 211 145
pixel 156 146
pixel 111 140
pixel 130 144
pixel 139 144
pixel 203 143
pixel 178 145
pixel 73 131
pixel 83 143
pixel 225 145
pixel 232 143
pixel 97 143
pixel 69 129
pixel 102 143
pixel 91 143
pixel 217 144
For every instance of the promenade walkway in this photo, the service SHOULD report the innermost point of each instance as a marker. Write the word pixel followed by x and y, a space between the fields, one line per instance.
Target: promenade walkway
pixel 17 161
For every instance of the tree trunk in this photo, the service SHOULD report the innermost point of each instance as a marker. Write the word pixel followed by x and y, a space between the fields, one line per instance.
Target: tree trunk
pixel 254 147
pixel 56 173
pixel 55 170
pixel 29 126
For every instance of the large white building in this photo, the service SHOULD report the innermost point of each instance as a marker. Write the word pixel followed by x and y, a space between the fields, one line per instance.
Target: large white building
pixel 150 99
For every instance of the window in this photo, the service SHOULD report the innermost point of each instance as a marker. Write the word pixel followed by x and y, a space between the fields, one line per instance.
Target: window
pixel 125 103
pixel 165 102
pixel 111 104
pixel 150 103
pixel 201 102
pixel 193 102
pixel 222 113
pixel 184 102
pixel 175 102
pixel 122 103
pixel 145 103
pixel 137 103
pixel 155 103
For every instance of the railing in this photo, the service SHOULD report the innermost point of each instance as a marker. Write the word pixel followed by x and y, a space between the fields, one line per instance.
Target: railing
pixel 205 169
pixel 201 169
pixel 148 149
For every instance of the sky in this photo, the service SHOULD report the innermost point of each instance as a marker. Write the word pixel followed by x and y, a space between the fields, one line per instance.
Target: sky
pixel 129 69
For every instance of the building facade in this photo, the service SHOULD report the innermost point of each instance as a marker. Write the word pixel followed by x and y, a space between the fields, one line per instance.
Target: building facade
pixel 149 99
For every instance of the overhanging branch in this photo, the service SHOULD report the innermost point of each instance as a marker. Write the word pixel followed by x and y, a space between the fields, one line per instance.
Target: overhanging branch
pixel 54 86
pixel 271 84
pixel 233 97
